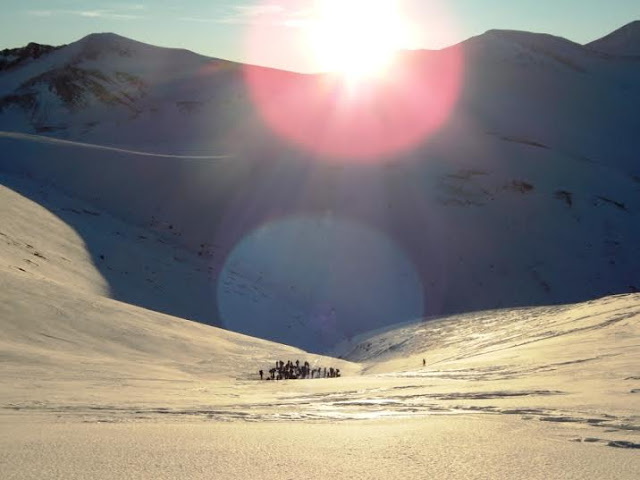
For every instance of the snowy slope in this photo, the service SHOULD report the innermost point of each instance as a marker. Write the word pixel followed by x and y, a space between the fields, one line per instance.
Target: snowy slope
pixel 61 319
pixel 94 387
pixel 50 236
pixel 571 363
pixel 553 92
pixel 546 228
pixel 158 396
pixel 624 41
pixel 527 196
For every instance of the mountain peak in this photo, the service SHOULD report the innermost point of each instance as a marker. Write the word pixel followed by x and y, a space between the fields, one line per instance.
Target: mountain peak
pixel 528 49
pixel 96 43
pixel 624 41
pixel 102 36
pixel 523 37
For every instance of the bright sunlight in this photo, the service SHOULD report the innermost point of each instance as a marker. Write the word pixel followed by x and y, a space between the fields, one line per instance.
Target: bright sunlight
pixel 357 38
pixel 379 100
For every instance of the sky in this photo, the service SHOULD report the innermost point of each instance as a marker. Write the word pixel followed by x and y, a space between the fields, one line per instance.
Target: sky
pixel 266 32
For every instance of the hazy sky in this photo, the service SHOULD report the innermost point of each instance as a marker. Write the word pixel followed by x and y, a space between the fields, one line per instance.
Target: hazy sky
pixel 223 28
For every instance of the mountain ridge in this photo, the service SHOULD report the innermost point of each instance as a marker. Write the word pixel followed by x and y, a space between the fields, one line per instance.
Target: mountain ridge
pixel 624 41
pixel 628 32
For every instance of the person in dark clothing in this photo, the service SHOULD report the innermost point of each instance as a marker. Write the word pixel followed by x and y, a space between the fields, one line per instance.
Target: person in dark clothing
pixel 261 374
pixel 424 362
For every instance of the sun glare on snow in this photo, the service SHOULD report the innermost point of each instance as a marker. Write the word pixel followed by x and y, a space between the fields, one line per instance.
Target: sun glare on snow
pixel 356 38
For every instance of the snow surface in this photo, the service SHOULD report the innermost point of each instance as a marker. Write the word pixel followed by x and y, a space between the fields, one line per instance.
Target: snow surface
pixel 91 387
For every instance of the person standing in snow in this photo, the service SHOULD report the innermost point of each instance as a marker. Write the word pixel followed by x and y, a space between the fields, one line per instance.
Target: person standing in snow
pixel 261 374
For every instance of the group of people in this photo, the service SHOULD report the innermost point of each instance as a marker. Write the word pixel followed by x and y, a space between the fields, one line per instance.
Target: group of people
pixel 296 370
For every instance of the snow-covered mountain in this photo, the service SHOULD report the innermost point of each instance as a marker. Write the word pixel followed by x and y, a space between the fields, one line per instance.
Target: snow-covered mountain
pixel 108 89
pixel 624 41
pixel 11 58
pixel 527 195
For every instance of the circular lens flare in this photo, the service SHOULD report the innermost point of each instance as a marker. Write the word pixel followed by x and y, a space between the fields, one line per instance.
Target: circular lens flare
pixel 312 281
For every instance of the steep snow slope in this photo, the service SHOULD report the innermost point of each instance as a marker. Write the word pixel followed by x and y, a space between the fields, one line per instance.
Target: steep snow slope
pixel 54 237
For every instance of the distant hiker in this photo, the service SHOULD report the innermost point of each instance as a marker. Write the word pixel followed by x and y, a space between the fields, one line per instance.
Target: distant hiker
pixel 424 362
pixel 261 374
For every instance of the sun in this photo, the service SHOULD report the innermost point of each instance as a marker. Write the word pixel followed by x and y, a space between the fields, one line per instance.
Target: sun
pixel 357 38
pixel 379 101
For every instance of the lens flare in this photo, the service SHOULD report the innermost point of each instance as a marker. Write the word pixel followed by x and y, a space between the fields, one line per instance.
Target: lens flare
pixel 357 38
pixel 373 103
pixel 312 281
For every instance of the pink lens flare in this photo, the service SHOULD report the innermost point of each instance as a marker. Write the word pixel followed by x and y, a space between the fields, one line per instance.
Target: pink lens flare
pixel 329 116
pixel 345 117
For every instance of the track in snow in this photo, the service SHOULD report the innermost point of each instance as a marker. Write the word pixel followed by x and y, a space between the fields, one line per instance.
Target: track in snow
pixel 69 143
